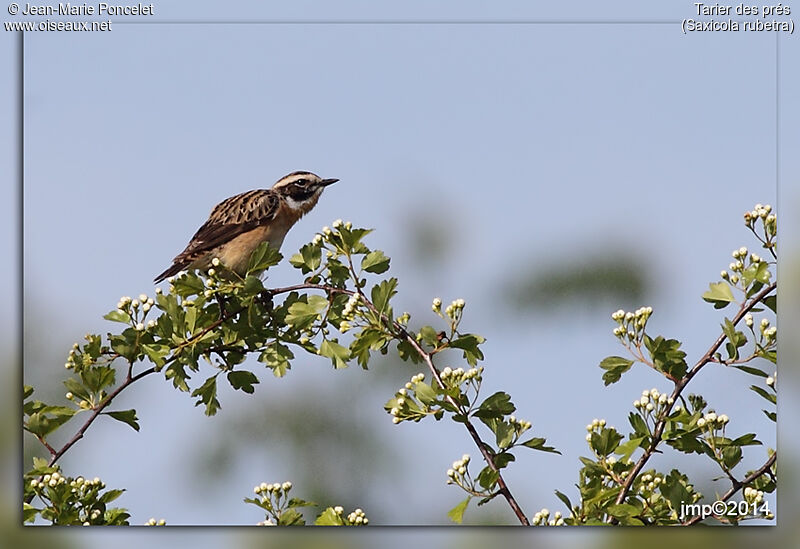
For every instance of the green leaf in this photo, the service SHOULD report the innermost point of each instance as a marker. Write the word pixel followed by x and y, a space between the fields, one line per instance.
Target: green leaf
pixel 752 371
pixel 375 262
pixel 488 477
pixel 263 258
pixel 425 393
pixel 339 355
pixel 565 500
pixel 156 352
pixel 771 301
pixel 620 510
pixel 110 496
pixel 47 419
pixel 98 378
pixel 456 514
pixel 366 340
pixel 243 380
pixel 118 316
pixel 27 391
pixel 309 258
pixel 731 456
pixel 496 406
pixel 626 449
pixel 537 443
pixel 763 393
pixel 667 356
pixel 746 440
pixel 615 366
pixel 606 441
pixel 329 517
pixel 207 394
pixel 382 293
pixel 758 272
pixel 252 286
pixel 504 434
pixel 302 315
pixel 291 517
pixel 639 425
pixel 429 335
pixel 29 512
pixel 126 416
pixel 352 237
pixel 77 388
pixel 277 356
pixel 469 344
pixel 719 294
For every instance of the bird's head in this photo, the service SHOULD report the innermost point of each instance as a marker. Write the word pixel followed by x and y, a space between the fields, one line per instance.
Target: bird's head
pixel 301 190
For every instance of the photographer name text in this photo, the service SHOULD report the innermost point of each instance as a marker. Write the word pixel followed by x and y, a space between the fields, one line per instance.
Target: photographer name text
pixel 101 8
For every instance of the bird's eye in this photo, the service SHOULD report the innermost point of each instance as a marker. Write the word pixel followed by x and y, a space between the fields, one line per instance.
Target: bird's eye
pixel 301 182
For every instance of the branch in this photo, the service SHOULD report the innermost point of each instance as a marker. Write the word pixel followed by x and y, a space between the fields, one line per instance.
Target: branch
pixel 676 393
pixel 737 485
pixel 402 333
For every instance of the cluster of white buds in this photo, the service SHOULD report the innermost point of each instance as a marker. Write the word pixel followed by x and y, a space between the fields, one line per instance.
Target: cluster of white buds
pixel 758 212
pixel 595 425
pixel 631 324
pixel 436 306
pixel 748 320
pixel 350 307
pixel 70 363
pixel 752 495
pixel 772 380
pixel 649 483
pixel 713 421
pixel 455 308
pixel 458 470
pixel 418 378
pixel 278 489
pixel 769 332
pixel 358 518
pixel 81 485
pixel 764 213
pixel 147 302
pixel 405 407
pixel 453 378
pixel 154 522
pixel 653 401
pixel 542 518
pixel 51 480
pixel 523 424
pixel 123 303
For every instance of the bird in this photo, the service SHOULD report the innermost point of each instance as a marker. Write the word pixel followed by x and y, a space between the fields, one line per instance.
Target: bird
pixel 237 225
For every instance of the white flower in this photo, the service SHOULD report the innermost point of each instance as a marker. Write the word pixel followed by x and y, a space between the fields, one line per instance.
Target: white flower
pixel 286 486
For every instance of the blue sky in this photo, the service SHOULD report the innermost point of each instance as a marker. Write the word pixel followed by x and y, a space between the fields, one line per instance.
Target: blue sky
pixel 537 142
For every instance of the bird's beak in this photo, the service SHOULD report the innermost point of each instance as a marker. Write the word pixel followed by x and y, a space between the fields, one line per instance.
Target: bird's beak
pixel 326 182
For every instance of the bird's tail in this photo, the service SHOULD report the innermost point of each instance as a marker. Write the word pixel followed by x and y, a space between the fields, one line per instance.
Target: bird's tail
pixel 173 270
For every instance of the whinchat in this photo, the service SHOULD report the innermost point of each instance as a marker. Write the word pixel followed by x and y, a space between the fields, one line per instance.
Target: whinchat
pixel 238 224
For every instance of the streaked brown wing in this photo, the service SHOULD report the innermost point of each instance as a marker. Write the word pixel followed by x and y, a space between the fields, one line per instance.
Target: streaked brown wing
pixel 230 218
